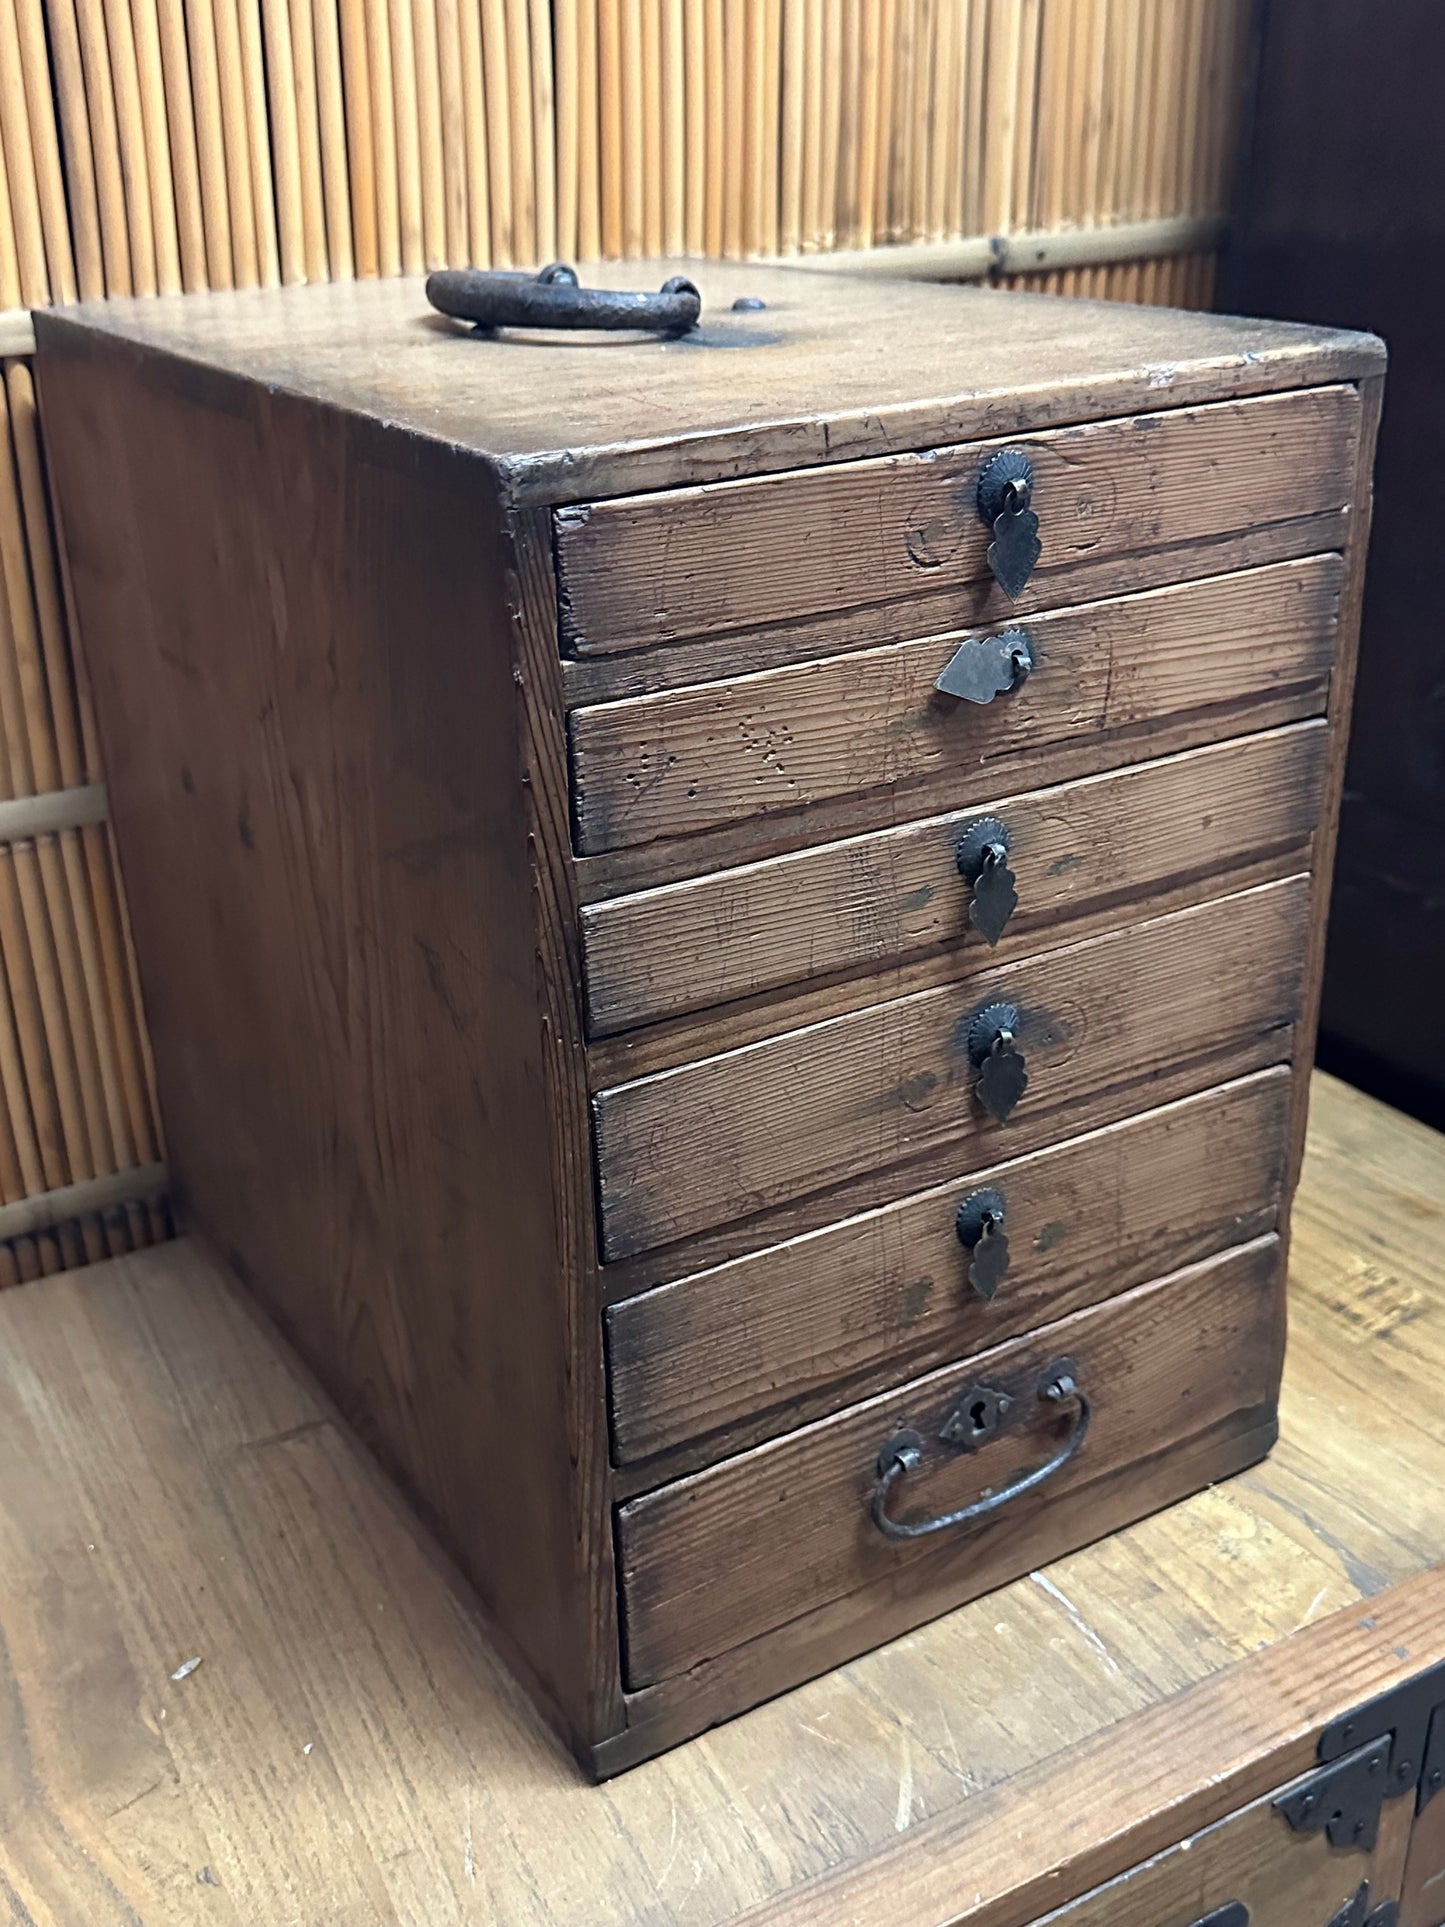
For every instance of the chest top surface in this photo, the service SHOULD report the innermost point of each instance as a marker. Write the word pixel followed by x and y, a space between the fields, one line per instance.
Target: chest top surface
pixel 831 369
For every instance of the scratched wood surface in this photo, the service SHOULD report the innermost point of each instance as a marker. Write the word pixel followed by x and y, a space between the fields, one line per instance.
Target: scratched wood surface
pixel 1284 1879
pixel 712 1561
pixel 740 1352
pixel 647 569
pixel 1081 853
pixel 832 370
pixel 1108 1026
pixel 349 1749
pixel 871 720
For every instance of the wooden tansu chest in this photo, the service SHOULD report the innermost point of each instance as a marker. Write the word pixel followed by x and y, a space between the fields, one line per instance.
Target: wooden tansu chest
pixel 732 924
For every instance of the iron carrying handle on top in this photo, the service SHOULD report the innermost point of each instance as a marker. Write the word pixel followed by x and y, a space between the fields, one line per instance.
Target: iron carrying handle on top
pixel 904 1453
pixel 552 298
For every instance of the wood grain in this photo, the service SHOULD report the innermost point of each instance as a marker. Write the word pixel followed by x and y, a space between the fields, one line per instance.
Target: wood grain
pixel 736 1135
pixel 781 742
pixel 145 1414
pixel 1422 1891
pixel 703 561
pixel 1097 848
pixel 370 1020
pixel 596 679
pixel 754 393
pixel 740 1549
pixel 747 1350
pixel 330 948
pixel 1254 1859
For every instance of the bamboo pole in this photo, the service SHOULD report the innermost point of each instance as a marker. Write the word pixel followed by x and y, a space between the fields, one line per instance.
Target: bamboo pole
pixel 156 141
pixel 734 168
pixel 476 123
pixel 285 140
pixel 519 121
pixel 381 116
pixel 634 133
pixel 771 120
pixel 306 89
pixel 213 167
pixel 79 157
pixel 569 117
pixel 24 191
pixel 694 28
pixel 869 122
pixel 674 128
pixel 650 97
pixel 253 81
pixel 810 189
pixel 921 128
pixel 130 130
pixel 831 116
pixel 353 40
pixel 651 118
pixel 609 95
pixel 878 215
pixel 589 148
pixel 34 58
pixel 241 207
pixel 402 43
pixel 544 133
pixel 426 30
pixel 180 117
pixel 942 114
pixel 790 181
pixel 715 135
pixel 99 97
pixel 336 184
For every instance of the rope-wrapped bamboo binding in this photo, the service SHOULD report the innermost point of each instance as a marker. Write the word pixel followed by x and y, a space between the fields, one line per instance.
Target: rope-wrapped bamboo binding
pixel 154 145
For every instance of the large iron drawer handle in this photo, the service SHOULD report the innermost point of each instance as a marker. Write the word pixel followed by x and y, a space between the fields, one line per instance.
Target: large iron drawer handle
pixel 978 1417
pixel 552 298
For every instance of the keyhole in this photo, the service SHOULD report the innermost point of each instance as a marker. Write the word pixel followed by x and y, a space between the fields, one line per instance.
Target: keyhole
pixel 978 1412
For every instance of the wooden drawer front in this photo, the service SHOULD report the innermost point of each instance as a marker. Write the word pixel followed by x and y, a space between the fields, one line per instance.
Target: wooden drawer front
pixel 800 1329
pixel 1253 1860
pixel 733 555
pixel 872 900
pixel 719 1558
pixel 717 753
pixel 1215 987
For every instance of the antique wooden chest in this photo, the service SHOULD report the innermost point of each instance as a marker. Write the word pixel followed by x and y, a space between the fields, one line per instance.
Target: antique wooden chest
pixel 732 923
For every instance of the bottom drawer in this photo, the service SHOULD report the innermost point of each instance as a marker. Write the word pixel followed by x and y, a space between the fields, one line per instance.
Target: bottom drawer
pixel 721 1557
pixel 1253 1870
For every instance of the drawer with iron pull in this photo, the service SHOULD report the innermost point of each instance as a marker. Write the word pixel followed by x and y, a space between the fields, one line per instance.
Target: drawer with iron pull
pixel 1001 1062
pixel 1004 878
pixel 993 526
pixel 745 1350
pixel 955 1482
pixel 943 720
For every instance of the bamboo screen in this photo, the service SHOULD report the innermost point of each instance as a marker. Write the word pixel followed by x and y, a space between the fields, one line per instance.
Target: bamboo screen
pixel 156 146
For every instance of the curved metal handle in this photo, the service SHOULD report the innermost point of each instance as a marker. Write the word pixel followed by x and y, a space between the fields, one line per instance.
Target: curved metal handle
pixel 904 1453
pixel 553 298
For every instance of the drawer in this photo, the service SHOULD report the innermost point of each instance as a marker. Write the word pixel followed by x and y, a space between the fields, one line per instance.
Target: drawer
pixel 871 722
pixel 1203 994
pixel 806 1326
pixel 719 1558
pixel 646 569
pixel 1075 849
pixel 1253 1870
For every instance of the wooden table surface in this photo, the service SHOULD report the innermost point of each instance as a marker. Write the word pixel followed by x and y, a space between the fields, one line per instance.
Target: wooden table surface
pixel 347 1749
